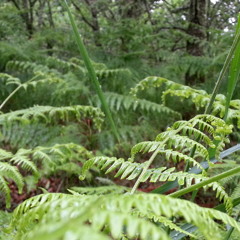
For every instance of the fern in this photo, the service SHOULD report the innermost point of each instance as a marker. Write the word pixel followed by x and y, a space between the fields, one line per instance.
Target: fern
pixel 8 79
pixel 5 218
pixel 54 155
pixel 48 114
pixel 154 82
pixel 60 153
pixel 117 102
pixel 102 190
pixel 172 146
pixel 56 65
pixel 19 135
pixel 114 214
pixel 27 67
pixel 199 98
pixel 39 77
pixel 51 157
pixel 164 221
pixel 130 171
pixel 8 171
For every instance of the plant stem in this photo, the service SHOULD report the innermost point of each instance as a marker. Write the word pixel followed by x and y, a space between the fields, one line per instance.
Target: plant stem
pixel 144 171
pixel 9 96
pixel 222 73
pixel 205 182
pixel 153 157
pixel 14 91
pixel 193 150
pixel 91 71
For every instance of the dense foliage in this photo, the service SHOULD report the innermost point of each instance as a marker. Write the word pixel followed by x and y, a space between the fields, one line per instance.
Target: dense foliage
pixel 104 147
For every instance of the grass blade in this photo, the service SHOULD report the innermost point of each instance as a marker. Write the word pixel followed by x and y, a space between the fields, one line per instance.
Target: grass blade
pixel 91 71
pixel 205 182
pixel 233 73
pixel 223 71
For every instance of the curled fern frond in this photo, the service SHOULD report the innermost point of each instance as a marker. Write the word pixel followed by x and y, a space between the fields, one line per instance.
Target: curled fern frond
pixel 155 82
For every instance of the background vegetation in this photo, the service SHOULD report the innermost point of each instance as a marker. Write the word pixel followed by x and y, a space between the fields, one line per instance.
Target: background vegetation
pixel 157 63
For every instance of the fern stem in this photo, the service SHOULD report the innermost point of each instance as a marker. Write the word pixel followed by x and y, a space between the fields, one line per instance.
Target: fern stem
pixel 144 171
pixel 187 166
pixel 91 71
pixel 222 73
pixel 205 182
pixel 153 157
pixel 9 96
pixel 14 91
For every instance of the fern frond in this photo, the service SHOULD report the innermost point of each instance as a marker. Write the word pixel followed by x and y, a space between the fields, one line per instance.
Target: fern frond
pixel 61 153
pixel 50 114
pixel 236 192
pixel 55 155
pixel 155 82
pixel 199 98
pixel 21 158
pixel 76 64
pixel 19 135
pixel 106 73
pixel 59 64
pixel 118 101
pixel 9 172
pixel 5 190
pixel 134 227
pixel 8 79
pixel 97 66
pixel 102 190
pixel 5 154
pixel 165 221
pixel 129 170
pixel 194 128
pixel 173 147
pixel 26 67
pixel 73 232
pixel 115 214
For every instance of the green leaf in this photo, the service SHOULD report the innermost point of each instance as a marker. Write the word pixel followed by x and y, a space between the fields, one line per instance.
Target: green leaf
pixel 233 73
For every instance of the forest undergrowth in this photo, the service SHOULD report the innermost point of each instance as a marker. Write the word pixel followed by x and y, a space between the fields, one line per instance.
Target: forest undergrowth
pixel 90 151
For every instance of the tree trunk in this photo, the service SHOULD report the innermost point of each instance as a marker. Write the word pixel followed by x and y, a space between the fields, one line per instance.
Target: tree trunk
pixel 196 29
